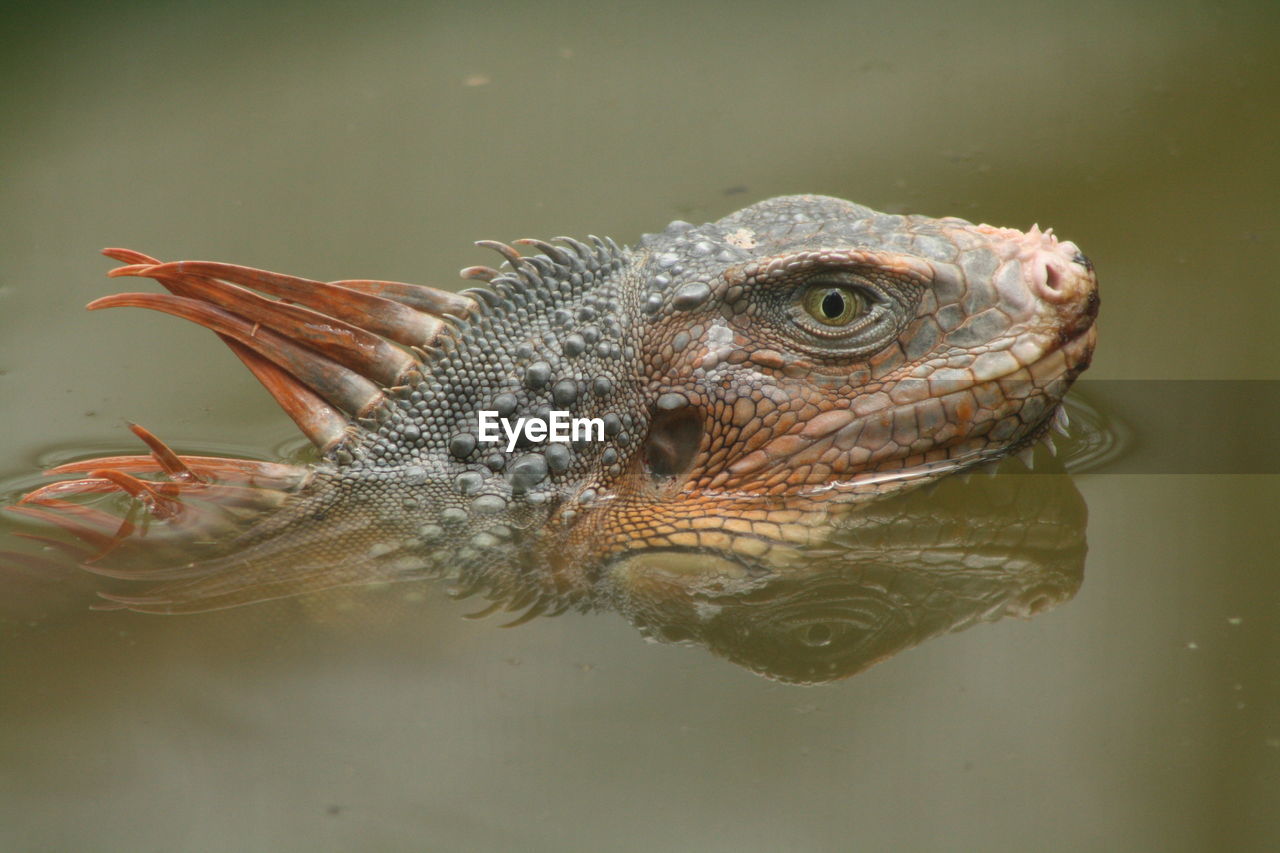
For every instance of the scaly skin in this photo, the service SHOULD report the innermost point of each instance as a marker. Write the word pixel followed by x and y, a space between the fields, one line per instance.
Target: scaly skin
pixel 736 425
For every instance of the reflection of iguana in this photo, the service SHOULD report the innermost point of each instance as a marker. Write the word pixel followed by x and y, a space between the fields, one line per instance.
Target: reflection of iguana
pixel 883 577
pixel 746 377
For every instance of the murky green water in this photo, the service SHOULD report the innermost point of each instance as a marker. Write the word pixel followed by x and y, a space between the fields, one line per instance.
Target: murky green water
pixel 341 141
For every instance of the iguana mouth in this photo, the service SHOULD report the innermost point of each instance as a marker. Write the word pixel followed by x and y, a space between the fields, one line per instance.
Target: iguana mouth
pixel 1044 381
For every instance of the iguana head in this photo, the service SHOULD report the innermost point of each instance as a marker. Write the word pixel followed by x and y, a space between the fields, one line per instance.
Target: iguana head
pixel 748 377
pixel 821 348
pixel 802 351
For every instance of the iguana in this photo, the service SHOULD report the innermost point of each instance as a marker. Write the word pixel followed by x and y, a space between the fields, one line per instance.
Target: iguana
pixel 741 383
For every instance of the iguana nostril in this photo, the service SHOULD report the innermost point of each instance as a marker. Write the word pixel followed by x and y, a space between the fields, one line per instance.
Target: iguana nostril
pixel 1052 278
pixel 1055 277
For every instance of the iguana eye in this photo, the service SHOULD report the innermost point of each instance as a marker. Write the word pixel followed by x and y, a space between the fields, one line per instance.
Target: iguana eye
pixel 833 305
pixel 839 313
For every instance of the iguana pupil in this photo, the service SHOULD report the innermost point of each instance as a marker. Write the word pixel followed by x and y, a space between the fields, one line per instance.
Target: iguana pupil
pixel 833 304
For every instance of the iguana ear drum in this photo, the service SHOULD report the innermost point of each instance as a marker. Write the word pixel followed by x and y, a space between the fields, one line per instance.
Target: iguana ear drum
pixel 672 444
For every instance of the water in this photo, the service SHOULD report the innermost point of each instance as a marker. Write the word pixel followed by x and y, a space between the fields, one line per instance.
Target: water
pixel 1143 714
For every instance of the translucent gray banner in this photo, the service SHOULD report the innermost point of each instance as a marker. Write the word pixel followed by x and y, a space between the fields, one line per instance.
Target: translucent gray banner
pixel 1173 427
